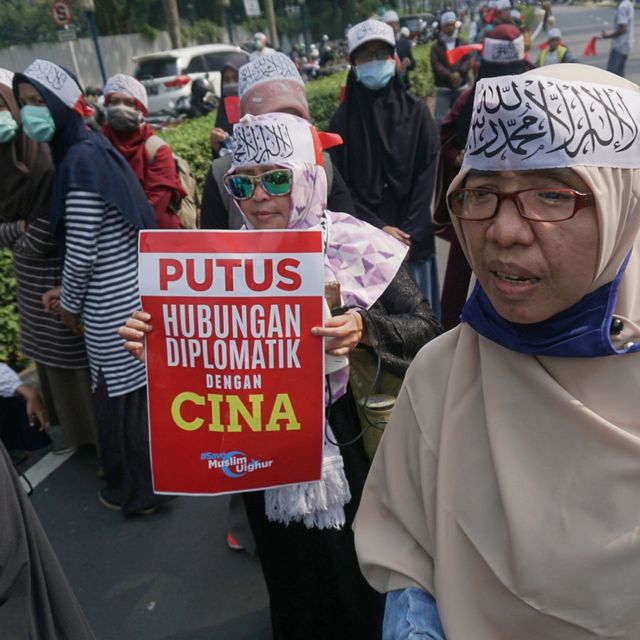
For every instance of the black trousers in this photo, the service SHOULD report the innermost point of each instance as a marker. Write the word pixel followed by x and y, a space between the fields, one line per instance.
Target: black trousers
pixel 316 589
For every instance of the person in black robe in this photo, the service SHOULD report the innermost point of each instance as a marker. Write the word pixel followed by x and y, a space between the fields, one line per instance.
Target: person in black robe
pixel 389 157
pixel 36 601
pixel 223 126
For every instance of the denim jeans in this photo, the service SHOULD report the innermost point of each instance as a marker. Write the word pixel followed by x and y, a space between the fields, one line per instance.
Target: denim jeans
pixel 425 274
pixel 444 101
pixel 616 63
pixel 411 614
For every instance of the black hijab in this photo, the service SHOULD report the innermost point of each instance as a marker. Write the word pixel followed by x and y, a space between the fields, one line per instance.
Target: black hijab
pixel 222 120
pixel 85 160
pixel 381 132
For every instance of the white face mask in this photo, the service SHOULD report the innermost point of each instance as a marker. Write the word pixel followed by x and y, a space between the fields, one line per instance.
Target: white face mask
pixel 122 118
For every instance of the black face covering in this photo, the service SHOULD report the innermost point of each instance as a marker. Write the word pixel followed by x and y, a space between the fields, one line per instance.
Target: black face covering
pixel 123 118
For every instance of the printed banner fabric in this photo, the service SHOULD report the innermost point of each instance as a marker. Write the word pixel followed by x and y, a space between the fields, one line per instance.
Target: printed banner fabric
pixel 235 378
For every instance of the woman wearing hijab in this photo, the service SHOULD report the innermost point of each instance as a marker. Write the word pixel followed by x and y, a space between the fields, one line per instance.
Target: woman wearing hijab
pixel 223 128
pixel 97 208
pixel 504 492
pixel 148 155
pixel 268 84
pixel 306 547
pixel 25 228
pixel 390 153
pixel 503 54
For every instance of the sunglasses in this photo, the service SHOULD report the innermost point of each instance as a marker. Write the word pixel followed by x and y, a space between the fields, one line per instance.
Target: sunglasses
pixel 276 183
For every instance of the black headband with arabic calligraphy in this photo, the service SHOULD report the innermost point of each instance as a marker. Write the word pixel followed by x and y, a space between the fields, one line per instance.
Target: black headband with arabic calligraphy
pixel 535 122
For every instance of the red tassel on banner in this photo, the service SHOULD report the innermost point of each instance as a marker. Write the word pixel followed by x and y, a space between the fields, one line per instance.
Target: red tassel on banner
pixel 460 52
pixel 590 49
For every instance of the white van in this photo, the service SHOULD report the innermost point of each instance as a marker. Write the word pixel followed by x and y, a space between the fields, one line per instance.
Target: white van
pixel 167 75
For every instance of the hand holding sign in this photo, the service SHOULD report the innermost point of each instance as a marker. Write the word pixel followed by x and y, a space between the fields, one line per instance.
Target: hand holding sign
pixel 134 331
pixel 343 333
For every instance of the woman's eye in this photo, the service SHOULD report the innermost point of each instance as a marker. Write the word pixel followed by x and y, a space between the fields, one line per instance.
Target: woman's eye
pixel 553 197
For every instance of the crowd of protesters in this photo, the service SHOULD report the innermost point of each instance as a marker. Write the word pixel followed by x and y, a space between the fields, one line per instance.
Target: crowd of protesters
pixel 538 304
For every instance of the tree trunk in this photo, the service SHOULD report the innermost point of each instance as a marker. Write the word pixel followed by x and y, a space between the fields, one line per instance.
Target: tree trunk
pixel 271 19
pixel 173 22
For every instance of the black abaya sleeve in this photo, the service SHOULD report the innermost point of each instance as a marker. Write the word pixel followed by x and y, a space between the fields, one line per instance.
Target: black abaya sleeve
pixel 400 323
pixel 417 219
pixel 339 198
pixel 213 213
pixel 36 601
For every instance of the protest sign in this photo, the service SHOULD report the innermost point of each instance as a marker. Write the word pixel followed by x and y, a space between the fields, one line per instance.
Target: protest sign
pixel 235 378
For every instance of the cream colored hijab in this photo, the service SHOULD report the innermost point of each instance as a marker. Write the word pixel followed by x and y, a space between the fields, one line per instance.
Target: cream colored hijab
pixel 508 485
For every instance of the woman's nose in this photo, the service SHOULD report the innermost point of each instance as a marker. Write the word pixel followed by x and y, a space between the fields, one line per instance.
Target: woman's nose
pixel 508 227
pixel 259 193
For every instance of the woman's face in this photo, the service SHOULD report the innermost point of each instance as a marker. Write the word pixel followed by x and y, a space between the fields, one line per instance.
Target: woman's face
pixel 29 96
pixel 229 76
pixel 262 210
pixel 532 270
pixel 122 99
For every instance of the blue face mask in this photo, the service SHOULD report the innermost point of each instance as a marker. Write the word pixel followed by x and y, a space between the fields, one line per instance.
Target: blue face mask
pixel 376 74
pixel 8 127
pixel 38 123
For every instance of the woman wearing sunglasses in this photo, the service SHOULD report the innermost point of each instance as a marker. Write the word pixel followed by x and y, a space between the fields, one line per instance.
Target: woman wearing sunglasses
pixel 503 499
pixel 307 555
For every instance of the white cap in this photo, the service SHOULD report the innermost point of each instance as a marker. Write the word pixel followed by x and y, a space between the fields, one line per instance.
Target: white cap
pixel 405 32
pixel 277 66
pixel 447 18
pixel 128 86
pixel 515 14
pixel 554 33
pixel 6 77
pixel 367 31
pixel 501 5
pixel 390 16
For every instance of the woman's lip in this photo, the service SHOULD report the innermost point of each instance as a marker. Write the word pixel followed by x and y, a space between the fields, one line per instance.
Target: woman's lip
pixel 513 289
pixel 510 270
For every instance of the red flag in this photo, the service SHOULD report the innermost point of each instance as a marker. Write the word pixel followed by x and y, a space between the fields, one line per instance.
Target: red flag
pixel 232 107
pixel 590 49
pixel 460 52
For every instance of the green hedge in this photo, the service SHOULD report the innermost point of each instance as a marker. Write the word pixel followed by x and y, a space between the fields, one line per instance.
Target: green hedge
pixel 9 324
pixel 190 139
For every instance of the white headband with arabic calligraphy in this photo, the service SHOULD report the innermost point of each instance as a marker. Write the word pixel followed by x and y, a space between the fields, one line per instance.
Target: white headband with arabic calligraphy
pixel 495 50
pixel 56 80
pixel 6 78
pixel 273 139
pixel 537 122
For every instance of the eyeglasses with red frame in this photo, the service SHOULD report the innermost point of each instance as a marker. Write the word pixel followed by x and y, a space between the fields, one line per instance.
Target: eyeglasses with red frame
pixel 538 205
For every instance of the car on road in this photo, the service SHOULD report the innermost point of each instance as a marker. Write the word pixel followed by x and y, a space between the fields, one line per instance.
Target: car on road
pixel 167 75
pixel 419 25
